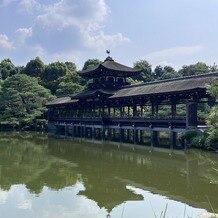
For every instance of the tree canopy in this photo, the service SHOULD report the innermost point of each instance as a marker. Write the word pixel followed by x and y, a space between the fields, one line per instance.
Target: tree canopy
pixel 146 75
pixel 7 69
pixel 35 68
pixel 194 69
pixel 22 100
pixel 90 63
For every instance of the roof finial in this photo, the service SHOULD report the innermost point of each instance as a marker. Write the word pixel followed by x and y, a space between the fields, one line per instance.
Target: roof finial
pixel 108 52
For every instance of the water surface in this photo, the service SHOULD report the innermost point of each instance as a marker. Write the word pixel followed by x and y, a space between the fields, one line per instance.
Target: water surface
pixel 42 176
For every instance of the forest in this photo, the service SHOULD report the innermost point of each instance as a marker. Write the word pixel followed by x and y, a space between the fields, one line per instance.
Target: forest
pixel 24 91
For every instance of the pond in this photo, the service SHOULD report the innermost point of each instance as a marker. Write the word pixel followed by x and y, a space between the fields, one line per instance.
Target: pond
pixel 43 176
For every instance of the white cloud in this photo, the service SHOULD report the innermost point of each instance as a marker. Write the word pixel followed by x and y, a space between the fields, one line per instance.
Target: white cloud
pixel 22 34
pixel 172 52
pixel 83 13
pixel 101 41
pixel 29 6
pixel 5 43
pixel 86 16
pixel 173 56
pixel 63 29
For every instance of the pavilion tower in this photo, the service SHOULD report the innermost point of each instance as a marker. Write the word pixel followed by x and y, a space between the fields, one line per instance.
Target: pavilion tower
pixel 109 75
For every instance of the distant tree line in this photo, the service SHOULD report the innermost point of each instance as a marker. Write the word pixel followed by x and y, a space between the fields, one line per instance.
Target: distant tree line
pixel 24 90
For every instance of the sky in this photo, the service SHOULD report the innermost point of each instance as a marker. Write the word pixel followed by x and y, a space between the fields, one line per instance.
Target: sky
pixel 163 32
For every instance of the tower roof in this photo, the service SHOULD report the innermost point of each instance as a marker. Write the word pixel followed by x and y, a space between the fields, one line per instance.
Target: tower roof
pixel 110 67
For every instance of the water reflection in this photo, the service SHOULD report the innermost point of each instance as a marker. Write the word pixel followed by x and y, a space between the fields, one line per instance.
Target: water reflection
pixel 63 178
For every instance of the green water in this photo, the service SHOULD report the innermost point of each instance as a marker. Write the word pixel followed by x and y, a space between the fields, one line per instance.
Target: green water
pixel 45 177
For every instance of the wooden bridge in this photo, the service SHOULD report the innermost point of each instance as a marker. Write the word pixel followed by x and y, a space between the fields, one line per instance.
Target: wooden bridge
pixel 148 113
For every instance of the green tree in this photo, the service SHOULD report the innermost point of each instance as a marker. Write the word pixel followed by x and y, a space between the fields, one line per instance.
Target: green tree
pixel 166 72
pixel 22 100
pixel 68 88
pixel 72 74
pixel 7 68
pixel 212 119
pixel 35 68
pixel 146 75
pixel 53 74
pixel 91 63
pixel 194 69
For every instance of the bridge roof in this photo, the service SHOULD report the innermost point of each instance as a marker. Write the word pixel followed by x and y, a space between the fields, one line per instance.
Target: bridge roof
pixel 167 86
pixel 61 100
pixel 170 86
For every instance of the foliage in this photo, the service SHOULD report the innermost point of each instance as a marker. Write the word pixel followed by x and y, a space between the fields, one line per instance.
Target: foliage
pixel 7 68
pixel 166 72
pixel 35 68
pixel 146 75
pixel 22 101
pixel 91 63
pixel 52 75
pixel 68 88
pixel 212 119
pixel 194 69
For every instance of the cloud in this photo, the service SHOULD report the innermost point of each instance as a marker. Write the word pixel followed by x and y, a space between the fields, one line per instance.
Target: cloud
pixel 22 34
pixel 5 43
pixel 176 51
pixel 83 13
pixel 59 29
pixel 101 41
pixel 85 18
pixel 29 6
pixel 172 55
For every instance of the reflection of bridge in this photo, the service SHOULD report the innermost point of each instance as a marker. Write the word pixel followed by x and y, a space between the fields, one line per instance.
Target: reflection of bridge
pixel 111 109
pixel 106 171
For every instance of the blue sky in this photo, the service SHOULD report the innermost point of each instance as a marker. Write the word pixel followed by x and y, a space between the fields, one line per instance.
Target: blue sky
pixel 174 32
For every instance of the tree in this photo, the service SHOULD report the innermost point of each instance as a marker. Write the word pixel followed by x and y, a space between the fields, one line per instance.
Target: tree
pixel 166 72
pixel 194 69
pixel 68 88
pixel 72 74
pixel 7 68
pixel 146 74
pixel 53 74
pixel 35 68
pixel 212 119
pixel 91 63
pixel 22 100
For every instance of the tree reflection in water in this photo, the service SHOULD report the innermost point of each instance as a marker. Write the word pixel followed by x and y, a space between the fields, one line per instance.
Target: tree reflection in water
pixel 110 175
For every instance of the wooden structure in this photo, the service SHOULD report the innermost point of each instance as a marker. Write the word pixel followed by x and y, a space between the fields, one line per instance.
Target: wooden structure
pixel 111 109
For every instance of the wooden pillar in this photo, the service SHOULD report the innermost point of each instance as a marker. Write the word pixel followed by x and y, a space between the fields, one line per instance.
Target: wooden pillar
pixel 84 131
pixel 141 110
pixel 109 111
pixel 121 111
pixel 114 111
pixel 93 132
pixel 109 133
pixel 103 132
pixel 134 111
pixel 156 109
pixel 173 110
pixel 73 130
pixel 128 135
pixel 114 133
pixel 141 136
pixel 121 134
pixel 191 114
pixel 173 137
pixel 154 138
pixel 153 109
